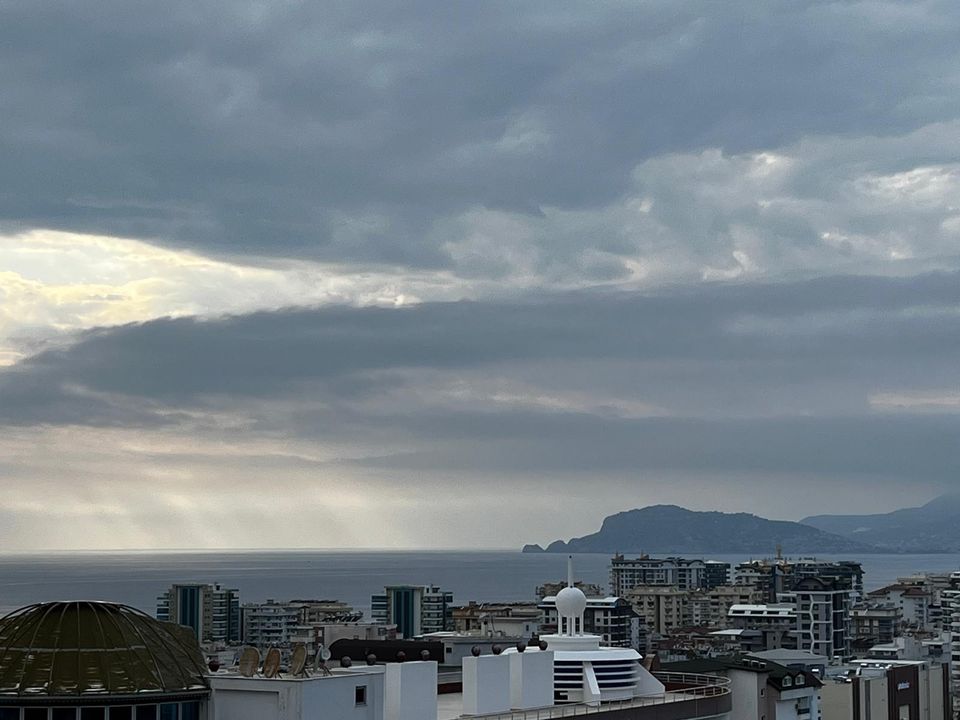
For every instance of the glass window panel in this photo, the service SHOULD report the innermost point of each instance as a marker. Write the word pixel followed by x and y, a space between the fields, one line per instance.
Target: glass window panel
pixel 9 713
pixel 63 713
pixel 190 711
pixel 146 712
pixel 168 711
pixel 121 713
pixel 97 713
pixel 34 714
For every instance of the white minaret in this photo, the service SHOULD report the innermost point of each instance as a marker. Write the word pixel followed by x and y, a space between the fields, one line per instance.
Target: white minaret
pixel 571 604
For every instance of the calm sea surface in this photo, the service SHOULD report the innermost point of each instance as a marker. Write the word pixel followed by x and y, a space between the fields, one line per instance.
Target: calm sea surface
pixel 136 578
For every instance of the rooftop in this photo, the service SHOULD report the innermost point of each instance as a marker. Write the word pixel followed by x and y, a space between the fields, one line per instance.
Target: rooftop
pixel 83 648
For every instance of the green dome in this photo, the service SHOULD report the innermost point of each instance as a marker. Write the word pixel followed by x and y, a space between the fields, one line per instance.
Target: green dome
pixel 74 649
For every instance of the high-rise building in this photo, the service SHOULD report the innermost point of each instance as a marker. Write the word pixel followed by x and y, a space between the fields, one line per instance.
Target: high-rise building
pixel 211 611
pixel 662 609
pixel 950 601
pixel 823 616
pixel 778 575
pixel 715 574
pixel 628 573
pixel 414 609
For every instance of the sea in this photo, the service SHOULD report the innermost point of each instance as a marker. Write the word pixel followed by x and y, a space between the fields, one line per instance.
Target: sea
pixel 137 577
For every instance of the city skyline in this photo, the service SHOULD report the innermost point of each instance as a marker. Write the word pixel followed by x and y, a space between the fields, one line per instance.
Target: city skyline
pixel 471 275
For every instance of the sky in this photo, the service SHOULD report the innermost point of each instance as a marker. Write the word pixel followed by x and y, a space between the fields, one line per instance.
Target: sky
pixel 472 275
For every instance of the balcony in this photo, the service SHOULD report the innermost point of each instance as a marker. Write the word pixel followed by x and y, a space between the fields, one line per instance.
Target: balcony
pixel 688 697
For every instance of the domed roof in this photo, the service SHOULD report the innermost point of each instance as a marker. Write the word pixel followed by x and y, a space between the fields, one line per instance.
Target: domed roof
pixel 95 648
pixel 571 601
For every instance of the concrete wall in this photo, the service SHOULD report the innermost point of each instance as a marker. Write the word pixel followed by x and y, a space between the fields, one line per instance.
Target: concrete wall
pixel 531 680
pixel 747 702
pixel 410 691
pixel 486 684
pixel 236 698
pixel 836 701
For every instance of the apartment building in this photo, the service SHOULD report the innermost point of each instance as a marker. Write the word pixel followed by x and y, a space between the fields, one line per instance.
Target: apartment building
pixel 874 624
pixel 414 609
pixel 914 601
pixel 823 616
pixel 662 609
pixel 888 690
pixel 210 610
pixel 521 620
pixel 628 573
pixel 764 627
pixel 778 575
pixel 273 624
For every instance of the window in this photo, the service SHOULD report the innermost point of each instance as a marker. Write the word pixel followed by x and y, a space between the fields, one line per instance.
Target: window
pixel 9 713
pixel 168 711
pixel 121 713
pixel 360 695
pixel 92 713
pixel 190 711
pixel 63 714
pixel 146 712
pixel 34 714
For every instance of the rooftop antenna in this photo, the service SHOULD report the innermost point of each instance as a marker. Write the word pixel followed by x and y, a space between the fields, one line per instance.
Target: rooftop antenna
pixel 569 570
pixel 298 661
pixel 320 662
pixel 249 661
pixel 271 663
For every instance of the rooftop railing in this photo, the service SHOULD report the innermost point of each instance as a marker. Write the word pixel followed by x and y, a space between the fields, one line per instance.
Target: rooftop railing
pixel 691 695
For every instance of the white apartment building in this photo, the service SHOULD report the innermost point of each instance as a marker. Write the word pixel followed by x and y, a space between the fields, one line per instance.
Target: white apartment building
pixel 628 573
pixel 273 624
pixel 915 603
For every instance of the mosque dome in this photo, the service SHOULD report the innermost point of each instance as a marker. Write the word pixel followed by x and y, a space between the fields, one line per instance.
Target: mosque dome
pixel 83 649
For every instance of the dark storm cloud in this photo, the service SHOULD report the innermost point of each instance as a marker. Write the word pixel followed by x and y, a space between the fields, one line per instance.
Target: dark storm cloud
pixel 772 330
pixel 347 130
pixel 742 379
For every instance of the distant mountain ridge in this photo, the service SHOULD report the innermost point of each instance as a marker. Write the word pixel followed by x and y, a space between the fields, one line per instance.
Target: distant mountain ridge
pixel 930 528
pixel 670 528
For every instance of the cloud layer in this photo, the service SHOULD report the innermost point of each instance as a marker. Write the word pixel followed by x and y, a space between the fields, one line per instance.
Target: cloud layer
pixel 266 265
pixel 771 388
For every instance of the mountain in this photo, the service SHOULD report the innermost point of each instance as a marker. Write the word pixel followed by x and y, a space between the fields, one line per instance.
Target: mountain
pixel 668 528
pixel 934 527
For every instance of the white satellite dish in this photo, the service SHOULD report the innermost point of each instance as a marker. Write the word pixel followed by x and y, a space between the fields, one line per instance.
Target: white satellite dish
pixel 320 661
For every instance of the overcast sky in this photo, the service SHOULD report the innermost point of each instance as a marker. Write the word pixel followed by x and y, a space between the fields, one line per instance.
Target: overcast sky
pixel 461 274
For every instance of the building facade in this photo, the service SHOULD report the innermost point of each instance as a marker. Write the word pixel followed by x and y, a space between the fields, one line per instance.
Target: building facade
pixel 823 616
pixel 628 573
pixel 414 609
pixel 211 611
pixel 888 691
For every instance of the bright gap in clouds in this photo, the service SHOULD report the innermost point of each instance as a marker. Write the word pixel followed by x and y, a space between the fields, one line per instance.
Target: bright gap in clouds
pixel 52 283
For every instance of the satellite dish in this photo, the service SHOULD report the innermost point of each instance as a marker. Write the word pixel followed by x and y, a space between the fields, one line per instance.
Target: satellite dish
pixel 298 660
pixel 320 661
pixel 271 663
pixel 249 661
